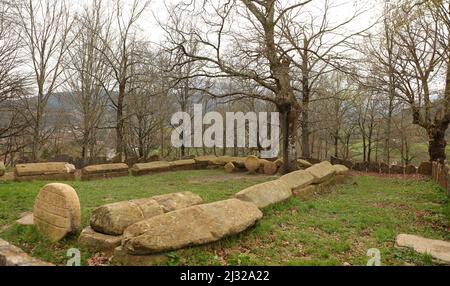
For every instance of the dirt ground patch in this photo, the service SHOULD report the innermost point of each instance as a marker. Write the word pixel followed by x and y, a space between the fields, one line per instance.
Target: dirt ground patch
pixel 413 177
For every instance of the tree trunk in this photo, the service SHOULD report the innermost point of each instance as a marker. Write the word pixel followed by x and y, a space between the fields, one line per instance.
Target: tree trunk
pixel 306 152
pixel 436 133
pixel 389 130
pixel 369 144
pixel 364 149
pixel 183 148
pixel 306 93
pixel 289 128
pixel 336 144
pixel 37 131
pixel 120 123
pixel 36 135
pixel 437 145
pixel 313 140
pixel 161 129
pixel 84 151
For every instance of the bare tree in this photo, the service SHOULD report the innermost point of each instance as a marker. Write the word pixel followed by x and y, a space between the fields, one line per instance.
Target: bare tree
pixel 381 54
pixel 368 116
pixel 422 35
pixel 184 80
pixel 143 109
pixel 11 81
pixel 250 51
pixel 319 47
pixel 337 88
pixel 85 71
pixel 119 56
pixel 45 27
pixel 13 121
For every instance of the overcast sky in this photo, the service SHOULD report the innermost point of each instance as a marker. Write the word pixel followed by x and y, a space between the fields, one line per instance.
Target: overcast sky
pixel 342 10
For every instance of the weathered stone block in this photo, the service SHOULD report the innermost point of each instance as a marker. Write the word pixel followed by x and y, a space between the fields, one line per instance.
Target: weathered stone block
pixel 40 169
pixel 266 194
pixel 104 171
pixel 105 168
pixel 270 168
pixel 177 201
pixel 326 186
pixel 150 168
pixel 305 193
pixel 238 162
pixel 44 171
pixel 179 165
pixel 57 211
pixel 91 239
pixel 298 179
pixel 252 164
pixel 11 255
pixel 322 172
pixel 341 170
pixel 2 169
pixel 190 226
pixel 222 160
pixel 114 218
pixel 437 248
pixel 229 168
pixel 204 161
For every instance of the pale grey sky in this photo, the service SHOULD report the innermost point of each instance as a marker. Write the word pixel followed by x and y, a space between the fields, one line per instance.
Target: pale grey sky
pixel 343 9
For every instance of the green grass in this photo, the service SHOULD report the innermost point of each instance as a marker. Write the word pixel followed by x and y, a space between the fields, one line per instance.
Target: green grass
pixel 335 228
pixel 330 229
pixel 16 198
pixel 418 151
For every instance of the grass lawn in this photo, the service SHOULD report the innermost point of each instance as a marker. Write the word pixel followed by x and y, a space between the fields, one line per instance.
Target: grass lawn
pixel 330 229
pixel 418 151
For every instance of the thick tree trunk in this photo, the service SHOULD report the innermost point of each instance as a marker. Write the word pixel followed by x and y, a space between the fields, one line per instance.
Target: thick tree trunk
pixel 437 145
pixel 289 116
